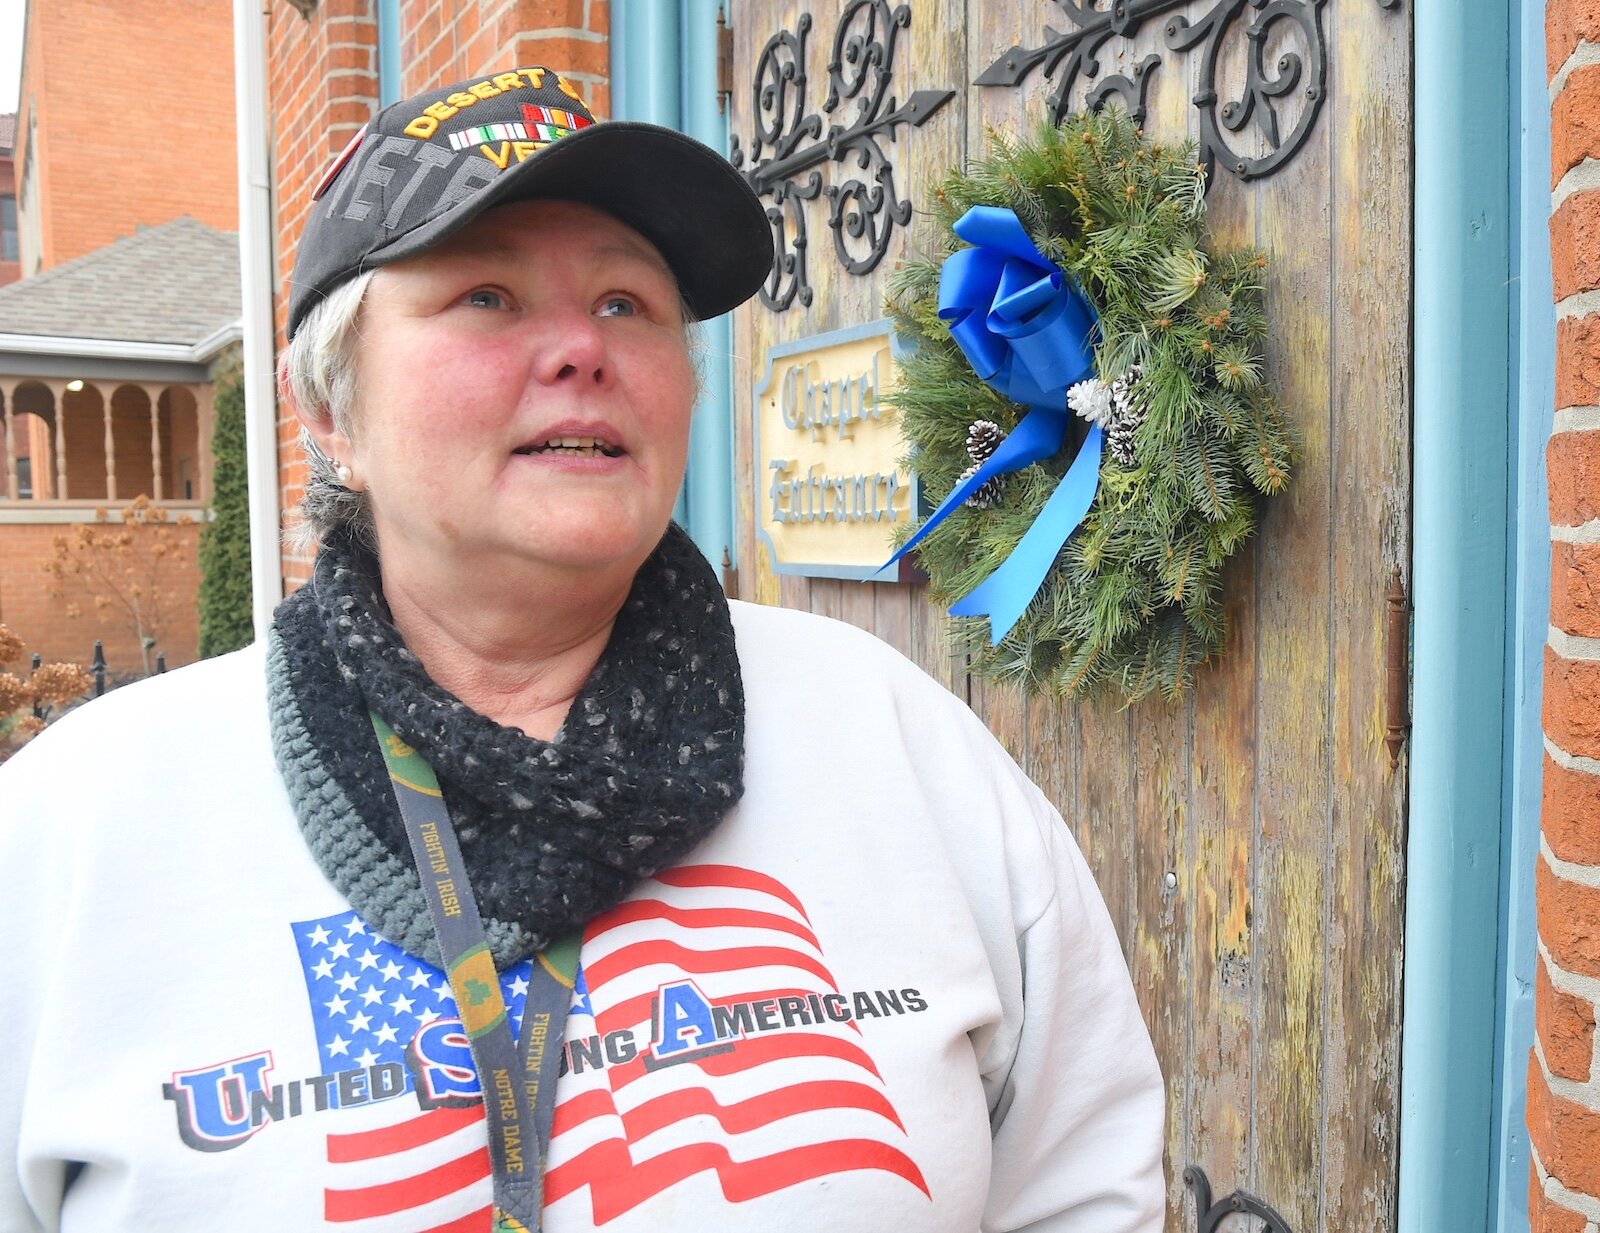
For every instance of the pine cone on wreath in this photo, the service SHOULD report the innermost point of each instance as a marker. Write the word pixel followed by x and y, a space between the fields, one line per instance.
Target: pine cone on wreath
pixel 1127 413
pixel 983 438
pixel 1092 400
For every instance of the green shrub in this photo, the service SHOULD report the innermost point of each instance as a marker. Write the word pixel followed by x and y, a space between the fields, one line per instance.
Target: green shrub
pixel 225 616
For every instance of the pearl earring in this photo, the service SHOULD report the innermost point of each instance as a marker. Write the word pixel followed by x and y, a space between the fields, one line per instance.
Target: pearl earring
pixel 343 472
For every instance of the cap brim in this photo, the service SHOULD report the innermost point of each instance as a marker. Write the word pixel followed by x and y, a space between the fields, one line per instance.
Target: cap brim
pixel 687 200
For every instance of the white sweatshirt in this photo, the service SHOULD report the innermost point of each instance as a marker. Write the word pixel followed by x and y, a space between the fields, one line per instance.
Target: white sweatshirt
pixel 883 994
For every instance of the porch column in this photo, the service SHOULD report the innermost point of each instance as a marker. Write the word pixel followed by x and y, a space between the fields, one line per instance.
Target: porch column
pixel 8 393
pixel 58 398
pixel 111 446
pixel 204 410
pixel 153 393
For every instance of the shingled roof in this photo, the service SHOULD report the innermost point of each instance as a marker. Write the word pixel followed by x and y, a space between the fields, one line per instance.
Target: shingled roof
pixel 176 283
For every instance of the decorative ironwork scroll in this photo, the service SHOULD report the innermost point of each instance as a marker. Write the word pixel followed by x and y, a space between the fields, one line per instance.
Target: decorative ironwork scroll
pixel 1285 70
pixel 789 149
pixel 1209 1216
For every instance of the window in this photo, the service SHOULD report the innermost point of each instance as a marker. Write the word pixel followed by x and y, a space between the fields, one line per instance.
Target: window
pixel 8 229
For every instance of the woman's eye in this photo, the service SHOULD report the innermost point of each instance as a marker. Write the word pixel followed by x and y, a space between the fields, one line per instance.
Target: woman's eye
pixel 618 306
pixel 486 297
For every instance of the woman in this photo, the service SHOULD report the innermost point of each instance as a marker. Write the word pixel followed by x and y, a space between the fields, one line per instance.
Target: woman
pixel 746 922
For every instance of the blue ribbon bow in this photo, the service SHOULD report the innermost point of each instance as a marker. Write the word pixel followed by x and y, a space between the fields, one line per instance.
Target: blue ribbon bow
pixel 1027 331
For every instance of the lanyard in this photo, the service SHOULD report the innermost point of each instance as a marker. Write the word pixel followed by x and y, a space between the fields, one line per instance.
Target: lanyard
pixel 518 1078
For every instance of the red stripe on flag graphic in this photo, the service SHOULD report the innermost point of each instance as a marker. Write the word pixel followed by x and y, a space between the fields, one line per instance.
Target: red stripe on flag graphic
pixel 387 1198
pixel 386 1140
pixel 699 963
pixel 731 877
pixel 472 1222
pixel 618 1183
pixel 755 1051
pixel 762 1109
pixel 758 1111
pixel 705 918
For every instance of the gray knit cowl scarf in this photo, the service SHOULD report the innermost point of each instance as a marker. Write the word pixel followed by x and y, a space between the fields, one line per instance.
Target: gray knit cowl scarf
pixel 650 759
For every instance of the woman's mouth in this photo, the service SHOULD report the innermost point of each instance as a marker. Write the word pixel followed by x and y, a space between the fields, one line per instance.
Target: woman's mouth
pixel 573 447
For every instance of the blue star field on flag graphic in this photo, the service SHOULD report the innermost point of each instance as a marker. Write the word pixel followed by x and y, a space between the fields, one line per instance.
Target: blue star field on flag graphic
pixel 368 997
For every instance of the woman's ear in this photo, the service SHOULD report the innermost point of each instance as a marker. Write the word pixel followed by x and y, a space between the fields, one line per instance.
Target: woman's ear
pixel 318 423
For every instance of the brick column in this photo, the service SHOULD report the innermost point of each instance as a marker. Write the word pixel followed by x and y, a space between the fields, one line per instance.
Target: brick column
pixel 1563 1081
pixel 153 393
pixel 58 396
pixel 111 445
pixel 8 394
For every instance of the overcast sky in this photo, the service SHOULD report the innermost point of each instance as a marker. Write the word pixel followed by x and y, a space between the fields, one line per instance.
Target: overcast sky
pixel 10 51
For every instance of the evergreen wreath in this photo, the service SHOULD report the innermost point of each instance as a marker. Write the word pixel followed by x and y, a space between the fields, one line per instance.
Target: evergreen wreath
pixel 1133 603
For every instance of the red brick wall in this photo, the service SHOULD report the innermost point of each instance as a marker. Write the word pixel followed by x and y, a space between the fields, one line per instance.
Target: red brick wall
pixel 322 75
pixel 1563 1083
pixel 44 622
pixel 135 115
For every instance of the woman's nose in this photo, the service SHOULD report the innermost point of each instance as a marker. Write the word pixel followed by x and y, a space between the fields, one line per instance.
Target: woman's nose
pixel 571 347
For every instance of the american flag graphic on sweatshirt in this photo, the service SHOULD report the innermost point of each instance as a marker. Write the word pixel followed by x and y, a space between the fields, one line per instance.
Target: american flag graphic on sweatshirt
pixel 707 1039
pixel 381 1013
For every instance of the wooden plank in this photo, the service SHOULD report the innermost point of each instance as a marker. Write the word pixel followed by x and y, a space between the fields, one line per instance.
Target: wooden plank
pixel 1220 1113
pixel 1103 791
pixel 856 605
pixel 1003 709
pixel 939 34
pixel 992 29
pixel 1219 1116
pixel 1052 754
pixel 891 614
pixel 1369 117
pixel 930 642
pixel 1293 582
pixel 1158 941
pixel 825 598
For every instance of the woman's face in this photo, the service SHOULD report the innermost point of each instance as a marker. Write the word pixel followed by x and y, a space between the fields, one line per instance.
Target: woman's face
pixel 524 394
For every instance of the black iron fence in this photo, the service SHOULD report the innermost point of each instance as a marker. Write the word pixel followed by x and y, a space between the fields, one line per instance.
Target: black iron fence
pixel 97 670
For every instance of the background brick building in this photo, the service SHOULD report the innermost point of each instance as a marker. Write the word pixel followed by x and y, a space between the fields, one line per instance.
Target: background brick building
pixel 106 395
pixel 126 173
pixel 125 119
pixel 1563 1081
pixel 10 247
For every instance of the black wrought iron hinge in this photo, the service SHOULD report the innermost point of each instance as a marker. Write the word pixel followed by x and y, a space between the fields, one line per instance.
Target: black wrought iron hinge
pixel 792 145
pixel 724 61
pixel 1209 1215
pixel 1285 58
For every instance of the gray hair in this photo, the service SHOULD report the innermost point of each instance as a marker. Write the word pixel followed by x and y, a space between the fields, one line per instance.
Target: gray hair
pixel 319 370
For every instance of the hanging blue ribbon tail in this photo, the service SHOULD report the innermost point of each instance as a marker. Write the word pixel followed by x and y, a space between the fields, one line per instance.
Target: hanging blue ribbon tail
pixel 1005 594
pixel 1037 437
pixel 1027 331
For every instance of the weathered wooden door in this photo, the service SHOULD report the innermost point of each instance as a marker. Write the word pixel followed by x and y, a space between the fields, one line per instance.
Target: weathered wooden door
pixel 1249 840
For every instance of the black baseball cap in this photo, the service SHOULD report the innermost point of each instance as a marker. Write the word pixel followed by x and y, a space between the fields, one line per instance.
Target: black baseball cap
pixel 428 165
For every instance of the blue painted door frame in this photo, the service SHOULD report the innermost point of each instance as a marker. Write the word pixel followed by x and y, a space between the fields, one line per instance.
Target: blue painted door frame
pixel 663 70
pixel 1484 364
pixel 1527 603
